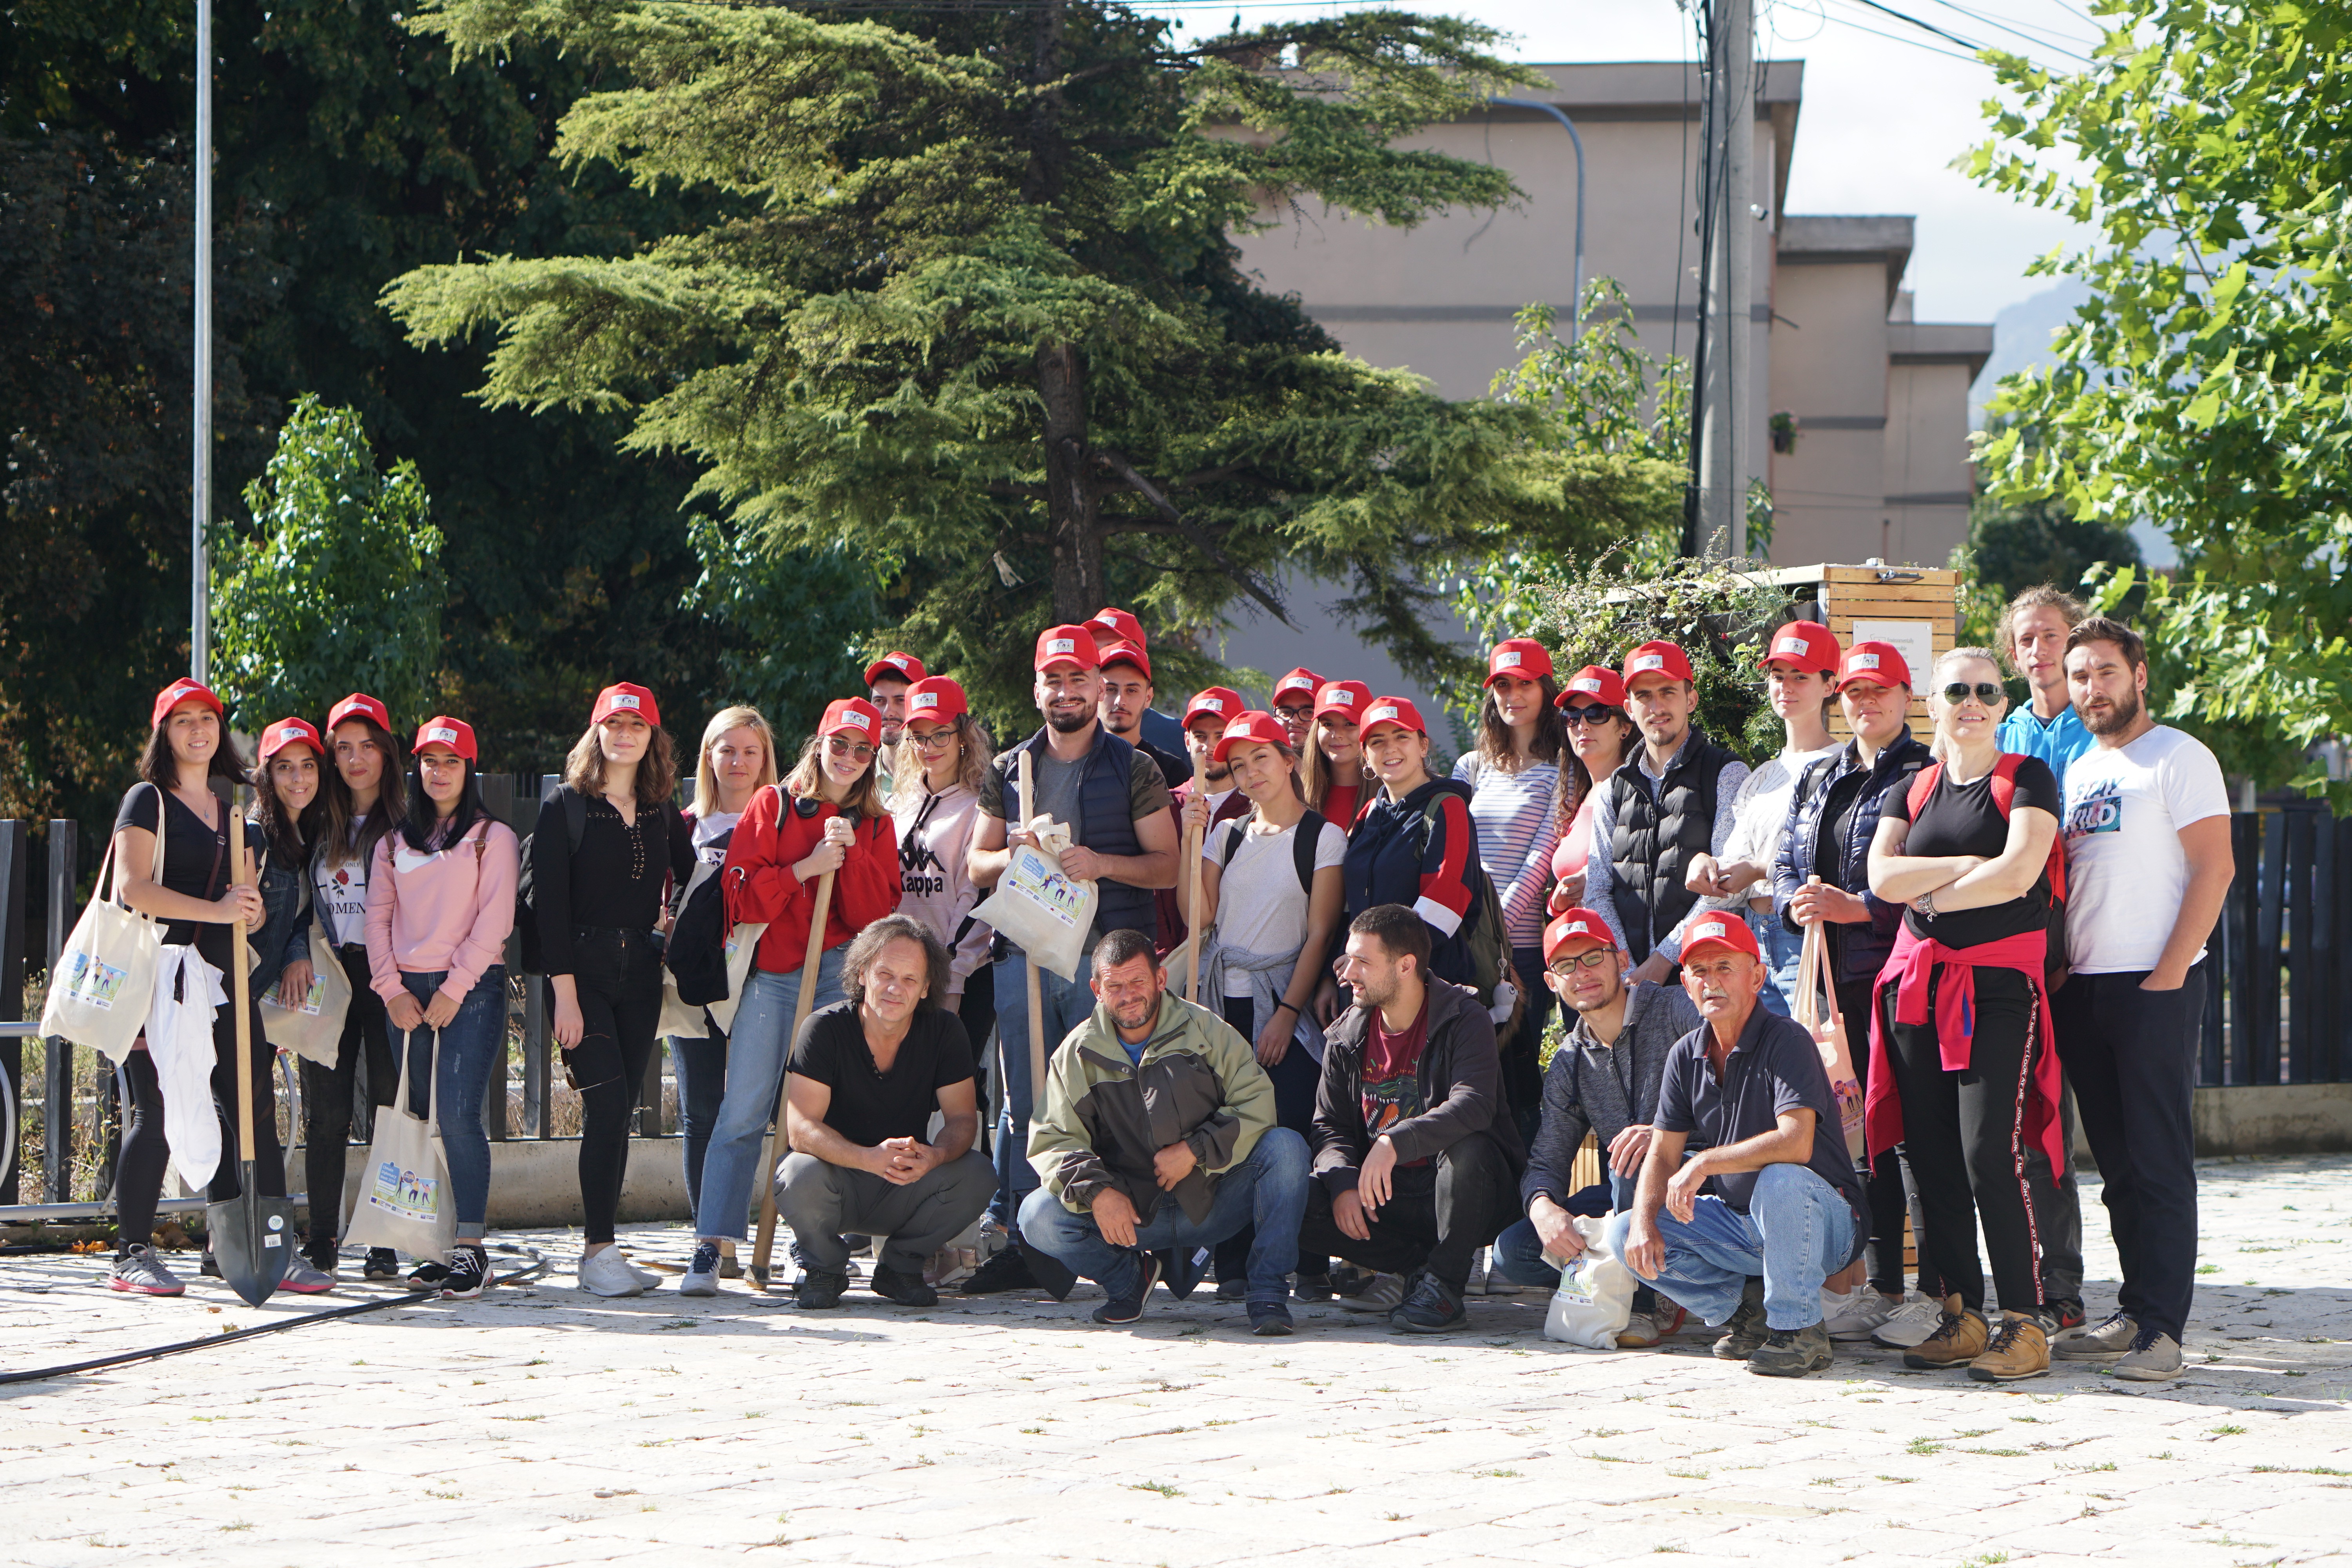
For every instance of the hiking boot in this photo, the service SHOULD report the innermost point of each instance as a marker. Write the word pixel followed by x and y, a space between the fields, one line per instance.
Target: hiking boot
pixel 1743 1331
pixel 2111 1341
pixel 1860 1316
pixel 1312 1287
pixel 1127 1309
pixel 2019 1348
pixel 701 1271
pixel 382 1263
pixel 470 1271
pixel 1959 1338
pixel 142 1273
pixel 1912 1323
pixel 1008 1270
pixel 1269 1320
pixel 2154 1357
pixel 907 1290
pixel 1382 1293
pixel 1644 1330
pixel 816 1291
pixel 1430 1307
pixel 1792 1352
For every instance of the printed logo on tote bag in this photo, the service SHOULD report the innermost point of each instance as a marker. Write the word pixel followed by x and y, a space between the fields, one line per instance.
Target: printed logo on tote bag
pixel 94 982
pixel 405 1195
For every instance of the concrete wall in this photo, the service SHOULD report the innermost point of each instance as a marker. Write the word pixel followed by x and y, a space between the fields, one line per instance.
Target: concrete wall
pixel 2275 1119
pixel 536 1182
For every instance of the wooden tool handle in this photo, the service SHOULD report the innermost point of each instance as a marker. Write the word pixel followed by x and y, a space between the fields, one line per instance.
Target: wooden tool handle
pixel 764 1245
pixel 1029 968
pixel 1192 908
pixel 239 979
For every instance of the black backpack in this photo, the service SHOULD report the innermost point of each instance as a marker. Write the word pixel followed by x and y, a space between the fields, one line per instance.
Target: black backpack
pixel 1302 846
pixel 526 918
pixel 697 951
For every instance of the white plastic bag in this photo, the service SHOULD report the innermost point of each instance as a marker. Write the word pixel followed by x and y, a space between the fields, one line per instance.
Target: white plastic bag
pixel 1041 909
pixel 1595 1298
pixel 404 1199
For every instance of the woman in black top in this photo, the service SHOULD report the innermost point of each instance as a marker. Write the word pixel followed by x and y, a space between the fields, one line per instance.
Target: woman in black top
pixel 597 906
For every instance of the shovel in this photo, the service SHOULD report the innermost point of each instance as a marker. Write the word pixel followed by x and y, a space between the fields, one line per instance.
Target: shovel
pixel 1049 1271
pixel 251 1236
pixel 766 1242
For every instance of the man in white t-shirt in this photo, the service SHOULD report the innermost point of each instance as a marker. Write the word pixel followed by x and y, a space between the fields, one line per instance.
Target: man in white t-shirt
pixel 2147 865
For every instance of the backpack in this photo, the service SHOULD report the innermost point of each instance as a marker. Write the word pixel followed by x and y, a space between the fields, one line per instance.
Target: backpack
pixel 2004 796
pixel 697 950
pixel 1303 845
pixel 1482 932
pixel 526 919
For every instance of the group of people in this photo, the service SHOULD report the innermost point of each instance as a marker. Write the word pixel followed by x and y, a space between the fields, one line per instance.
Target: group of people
pixel 1356 1107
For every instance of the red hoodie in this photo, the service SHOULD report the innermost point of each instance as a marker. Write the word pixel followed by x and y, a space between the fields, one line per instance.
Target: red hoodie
pixel 759 883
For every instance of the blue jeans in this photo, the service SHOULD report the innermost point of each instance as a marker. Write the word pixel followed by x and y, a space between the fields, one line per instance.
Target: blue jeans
pixel 1797 1232
pixel 1781 951
pixel 702 1067
pixel 756 1055
pixel 473 1047
pixel 1066 1004
pixel 1267 1190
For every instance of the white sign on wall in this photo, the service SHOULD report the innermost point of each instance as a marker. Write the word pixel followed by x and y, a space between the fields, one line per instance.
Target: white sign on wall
pixel 1915 640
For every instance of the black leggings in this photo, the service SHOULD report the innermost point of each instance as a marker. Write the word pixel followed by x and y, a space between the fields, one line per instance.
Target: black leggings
pixel 977 1009
pixel 618 982
pixel 1295 1078
pixel 327 1099
pixel 138 1179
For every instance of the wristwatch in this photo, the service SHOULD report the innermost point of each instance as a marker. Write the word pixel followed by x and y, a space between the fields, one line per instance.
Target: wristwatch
pixel 1926 904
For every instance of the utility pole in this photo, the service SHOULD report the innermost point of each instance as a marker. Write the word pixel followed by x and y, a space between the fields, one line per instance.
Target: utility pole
pixel 200 636
pixel 1726 426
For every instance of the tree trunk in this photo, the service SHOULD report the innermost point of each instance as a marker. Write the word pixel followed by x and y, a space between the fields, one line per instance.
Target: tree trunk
pixel 1071 510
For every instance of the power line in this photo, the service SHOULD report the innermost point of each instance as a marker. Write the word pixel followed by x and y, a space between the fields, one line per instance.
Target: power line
pixel 1899 38
pixel 1923 26
pixel 2055 41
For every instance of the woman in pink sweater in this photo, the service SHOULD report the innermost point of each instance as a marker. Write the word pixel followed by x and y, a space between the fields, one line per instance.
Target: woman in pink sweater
pixel 440 902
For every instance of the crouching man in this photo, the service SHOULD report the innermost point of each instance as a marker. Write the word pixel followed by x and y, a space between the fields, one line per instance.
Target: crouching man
pixel 1767 1206
pixel 1156 1135
pixel 866 1075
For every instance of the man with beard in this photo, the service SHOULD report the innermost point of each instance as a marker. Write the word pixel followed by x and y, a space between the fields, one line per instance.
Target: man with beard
pixel 1767 1204
pixel 887 680
pixel 1123 839
pixel 1127 695
pixel 2146 828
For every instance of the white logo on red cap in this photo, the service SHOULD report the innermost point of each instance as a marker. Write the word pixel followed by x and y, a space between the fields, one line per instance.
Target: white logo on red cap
pixel 1712 929
pixel 442 732
pixel 1385 711
pixel 1214 704
pixel 1863 661
pixel 623 699
pixel 1062 644
pixel 1505 656
pixel 853 716
pixel 1790 644
pixel 896 660
pixel 1589 685
pixel 1295 683
pixel 1342 698
pixel 1578 928
pixel 923 700
pixel 1642 661
pixel 186 689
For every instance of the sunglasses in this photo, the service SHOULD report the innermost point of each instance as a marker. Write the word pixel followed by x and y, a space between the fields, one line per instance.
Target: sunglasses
pixel 1591 713
pixel 841 748
pixel 1986 692
pixel 1592 958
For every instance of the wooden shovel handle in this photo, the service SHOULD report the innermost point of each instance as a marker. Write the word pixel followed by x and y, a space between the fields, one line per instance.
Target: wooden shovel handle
pixel 1192 852
pixel 239 980
pixel 1029 970
pixel 765 1246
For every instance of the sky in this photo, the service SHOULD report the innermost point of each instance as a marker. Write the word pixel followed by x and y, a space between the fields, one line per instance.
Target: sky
pixel 1887 108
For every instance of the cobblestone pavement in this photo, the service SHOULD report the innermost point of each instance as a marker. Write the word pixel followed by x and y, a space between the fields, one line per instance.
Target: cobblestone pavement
pixel 538 1425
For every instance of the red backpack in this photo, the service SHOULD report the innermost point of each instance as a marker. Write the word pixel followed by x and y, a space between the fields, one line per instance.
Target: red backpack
pixel 2004 796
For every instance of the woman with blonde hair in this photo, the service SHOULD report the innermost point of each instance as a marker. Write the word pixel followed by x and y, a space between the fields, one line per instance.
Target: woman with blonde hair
pixel 935 804
pixel 1336 777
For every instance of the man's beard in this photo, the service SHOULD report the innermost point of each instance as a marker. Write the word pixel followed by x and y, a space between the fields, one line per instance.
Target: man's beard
pixel 1602 998
pixel 1214 771
pixel 1070 723
pixel 2123 713
pixel 1111 717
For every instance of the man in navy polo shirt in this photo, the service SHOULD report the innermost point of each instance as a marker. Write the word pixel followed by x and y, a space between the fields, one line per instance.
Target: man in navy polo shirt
pixel 1768 1203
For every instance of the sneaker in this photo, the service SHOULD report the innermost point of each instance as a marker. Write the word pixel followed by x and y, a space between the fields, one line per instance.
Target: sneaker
pixel 1960 1337
pixel 1476 1284
pixel 1127 1309
pixel 2111 1341
pixel 729 1267
pixel 1792 1352
pixel 702 1272
pixel 382 1263
pixel 324 1258
pixel 1234 1289
pixel 607 1273
pixel 1644 1330
pixel 816 1291
pixel 2154 1357
pixel 2065 1314
pixel 427 1276
pixel 1431 1307
pixel 140 1272
pixel 1861 1315
pixel 469 1270
pixel 1912 1323
pixel 645 1277
pixel 907 1290
pixel 304 1279
pixel 1008 1270
pixel 1743 1331
pixel 1382 1293
pixel 1269 1320
pixel 1311 1287
pixel 2020 1348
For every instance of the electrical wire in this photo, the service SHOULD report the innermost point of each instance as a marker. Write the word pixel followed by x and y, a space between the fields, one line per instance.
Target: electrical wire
pixel 1920 44
pixel 2061 42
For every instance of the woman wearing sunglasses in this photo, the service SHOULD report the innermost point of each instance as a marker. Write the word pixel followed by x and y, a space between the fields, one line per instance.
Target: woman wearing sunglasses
pixel 1962 1021
pixel 1593 716
pixel 827 816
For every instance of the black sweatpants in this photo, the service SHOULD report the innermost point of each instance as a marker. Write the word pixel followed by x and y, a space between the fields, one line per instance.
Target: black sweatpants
pixel 618 982
pixel 2132 1055
pixel 1295 1078
pixel 1965 1133
pixel 1881 1182
pixel 327 1100
pixel 1437 1215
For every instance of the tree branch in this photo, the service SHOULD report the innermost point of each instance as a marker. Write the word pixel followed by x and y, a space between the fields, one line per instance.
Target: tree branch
pixel 1250 582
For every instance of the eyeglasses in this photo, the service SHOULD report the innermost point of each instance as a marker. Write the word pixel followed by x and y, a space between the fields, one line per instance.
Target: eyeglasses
pixel 1591 959
pixel 1986 692
pixel 841 748
pixel 1294 710
pixel 1590 713
pixel 931 742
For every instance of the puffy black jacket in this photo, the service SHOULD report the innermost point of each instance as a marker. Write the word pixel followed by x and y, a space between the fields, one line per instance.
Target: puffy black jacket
pixel 1860 950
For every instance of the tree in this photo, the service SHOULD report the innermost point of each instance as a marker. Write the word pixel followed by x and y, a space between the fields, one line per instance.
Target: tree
pixel 791 626
pixel 339 586
pixel 968 302
pixel 2202 386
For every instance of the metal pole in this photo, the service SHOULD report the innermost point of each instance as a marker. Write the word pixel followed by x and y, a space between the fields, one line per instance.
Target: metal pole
pixel 1576 294
pixel 1728 332
pixel 200 638
pixel 14 845
pixel 58 1087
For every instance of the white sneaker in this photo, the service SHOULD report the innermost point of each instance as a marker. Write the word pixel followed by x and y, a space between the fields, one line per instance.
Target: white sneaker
pixel 1859 1315
pixel 607 1273
pixel 1909 1325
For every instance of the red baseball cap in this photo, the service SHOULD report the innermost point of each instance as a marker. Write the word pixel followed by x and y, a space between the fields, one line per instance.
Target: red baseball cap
pixel 1222 703
pixel 359 705
pixel 1657 658
pixel 1300 680
pixel 1522 656
pixel 1876 661
pixel 1348 698
pixel 276 738
pixel 1598 681
pixel 1578 928
pixel 936 697
pixel 1252 728
pixel 442 730
pixel 180 691
pixel 1392 710
pixel 627 699
pixel 1126 653
pixel 895 665
pixel 1717 930
pixel 1808 645
pixel 1069 645
pixel 852 716
pixel 1121 626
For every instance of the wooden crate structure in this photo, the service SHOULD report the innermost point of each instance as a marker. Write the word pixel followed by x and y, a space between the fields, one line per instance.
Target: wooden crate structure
pixel 1913 607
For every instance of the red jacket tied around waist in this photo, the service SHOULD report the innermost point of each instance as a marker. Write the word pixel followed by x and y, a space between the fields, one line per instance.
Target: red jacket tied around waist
pixel 1915 962
pixel 760 886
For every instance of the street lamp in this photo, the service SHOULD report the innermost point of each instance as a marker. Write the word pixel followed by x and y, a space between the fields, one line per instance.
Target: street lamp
pixel 1575 298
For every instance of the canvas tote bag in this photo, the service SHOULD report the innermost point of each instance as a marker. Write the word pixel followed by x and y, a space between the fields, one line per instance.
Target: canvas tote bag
pixel 404 1199
pixel 310 1027
pixel 103 983
pixel 1595 1298
pixel 1816 1008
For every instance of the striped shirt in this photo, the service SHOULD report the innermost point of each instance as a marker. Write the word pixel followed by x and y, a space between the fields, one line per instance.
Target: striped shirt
pixel 1518 830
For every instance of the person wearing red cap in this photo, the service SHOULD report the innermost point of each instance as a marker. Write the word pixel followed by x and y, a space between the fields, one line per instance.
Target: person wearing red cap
pixel 1206 718
pixel 1513 778
pixel 1114 803
pixel 1336 775
pixel 935 805
pixel 1747 1199
pixel 441 902
pixel 1127 712
pixel 828 814
pixel 1415 844
pixel 1822 875
pixel 1592 717
pixel 1294 704
pixel 1669 803
pixel 608 843
pixel 195 893
pixel 887 680
pixel 1112 625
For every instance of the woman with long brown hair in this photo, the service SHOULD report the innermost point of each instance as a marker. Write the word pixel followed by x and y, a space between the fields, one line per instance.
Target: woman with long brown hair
pixel 944 753
pixel 1336 777
pixel 1592 717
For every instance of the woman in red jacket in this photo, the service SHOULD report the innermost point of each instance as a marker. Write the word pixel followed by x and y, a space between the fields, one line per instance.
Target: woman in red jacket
pixel 827 816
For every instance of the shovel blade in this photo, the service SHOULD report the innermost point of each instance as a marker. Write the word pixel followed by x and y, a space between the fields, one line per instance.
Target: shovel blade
pixel 252 1237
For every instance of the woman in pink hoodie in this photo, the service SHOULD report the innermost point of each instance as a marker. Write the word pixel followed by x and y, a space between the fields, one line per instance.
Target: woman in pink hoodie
pixel 440 902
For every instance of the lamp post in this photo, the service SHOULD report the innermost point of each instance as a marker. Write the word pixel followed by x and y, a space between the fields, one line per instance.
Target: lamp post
pixel 200 638
pixel 1576 296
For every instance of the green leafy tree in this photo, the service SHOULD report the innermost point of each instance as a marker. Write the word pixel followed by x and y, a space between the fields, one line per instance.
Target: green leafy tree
pixel 2202 386
pixel 970 303
pixel 338 588
pixel 790 626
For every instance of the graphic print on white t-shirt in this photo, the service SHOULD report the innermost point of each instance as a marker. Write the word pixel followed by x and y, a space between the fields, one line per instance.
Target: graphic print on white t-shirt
pixel 2126 870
